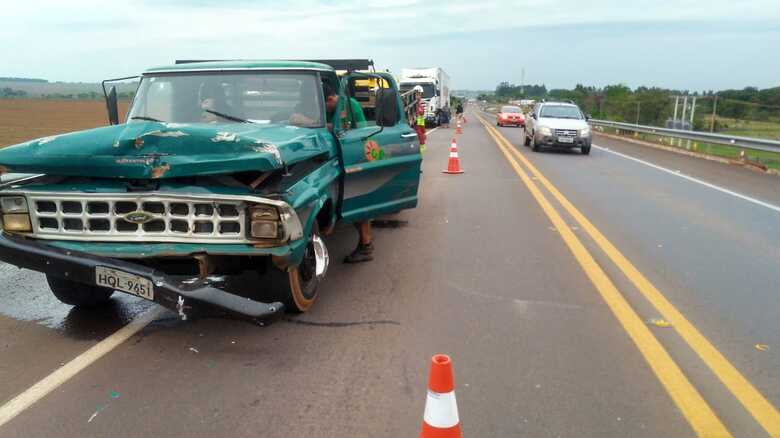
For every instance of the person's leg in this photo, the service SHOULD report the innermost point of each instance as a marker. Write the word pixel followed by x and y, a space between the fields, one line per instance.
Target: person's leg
pixel 420 136
pixel 365 245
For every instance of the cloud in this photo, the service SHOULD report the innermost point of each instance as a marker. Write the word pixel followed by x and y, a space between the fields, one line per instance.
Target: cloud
pixel 478 41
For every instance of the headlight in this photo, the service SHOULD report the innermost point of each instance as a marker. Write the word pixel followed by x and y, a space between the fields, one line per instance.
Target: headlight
pixel 545 130
pixel 15 214
pixel 264 222
pixel 17 222
pixel 585 132
pixel 13 204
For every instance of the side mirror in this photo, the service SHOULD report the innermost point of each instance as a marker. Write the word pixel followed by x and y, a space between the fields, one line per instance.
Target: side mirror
pixel 588 117
pixel 386 107
pixel 111 106
pixel 533 116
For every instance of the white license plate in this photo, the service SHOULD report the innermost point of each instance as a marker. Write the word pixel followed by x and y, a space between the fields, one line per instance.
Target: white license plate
pixel 130 283
pixel 565 140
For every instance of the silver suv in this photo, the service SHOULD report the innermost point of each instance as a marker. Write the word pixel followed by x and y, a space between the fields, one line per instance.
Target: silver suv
pixel 556 124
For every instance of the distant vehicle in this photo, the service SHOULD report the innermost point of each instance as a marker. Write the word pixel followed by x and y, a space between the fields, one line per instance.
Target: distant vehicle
pixel 510 115
pixel 555 124
pixel 436 89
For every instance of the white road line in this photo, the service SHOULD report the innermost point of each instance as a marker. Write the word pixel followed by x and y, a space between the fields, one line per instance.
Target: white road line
pixel 692 179
pixel 51 382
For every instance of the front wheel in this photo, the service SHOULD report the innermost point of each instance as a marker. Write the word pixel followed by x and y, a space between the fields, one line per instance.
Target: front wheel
pixel 78 294
pixel 585 150
pixel 297 287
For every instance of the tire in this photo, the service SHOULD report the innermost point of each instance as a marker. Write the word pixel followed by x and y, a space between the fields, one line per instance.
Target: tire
pixel 78 294
pixel 585 150
pixel 297 288
pixel 498 124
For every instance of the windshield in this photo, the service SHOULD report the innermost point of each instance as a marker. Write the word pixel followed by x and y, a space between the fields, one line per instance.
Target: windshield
pixel 257 97
pixel 428 89
pixel 561 112
pixel 510 109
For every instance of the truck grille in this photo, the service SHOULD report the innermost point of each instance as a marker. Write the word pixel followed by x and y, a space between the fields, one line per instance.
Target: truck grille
pixel 566 132
pixel 137 218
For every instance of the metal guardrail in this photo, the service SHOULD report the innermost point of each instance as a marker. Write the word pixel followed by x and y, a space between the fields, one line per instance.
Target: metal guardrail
pixel 702 137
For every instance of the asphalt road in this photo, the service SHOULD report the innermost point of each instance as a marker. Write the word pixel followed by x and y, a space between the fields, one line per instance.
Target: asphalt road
pixel 477 271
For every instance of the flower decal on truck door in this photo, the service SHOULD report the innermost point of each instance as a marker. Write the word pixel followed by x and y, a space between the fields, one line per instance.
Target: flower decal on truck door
pixel 373 152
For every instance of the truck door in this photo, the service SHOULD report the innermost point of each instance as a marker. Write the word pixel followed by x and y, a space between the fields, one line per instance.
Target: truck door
pixel 381 157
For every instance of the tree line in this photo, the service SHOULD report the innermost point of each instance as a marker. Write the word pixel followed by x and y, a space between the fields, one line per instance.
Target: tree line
pixel 10 93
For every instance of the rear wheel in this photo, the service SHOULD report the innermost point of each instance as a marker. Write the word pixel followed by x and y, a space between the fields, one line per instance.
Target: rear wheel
pixel 297 287
pixel 78 294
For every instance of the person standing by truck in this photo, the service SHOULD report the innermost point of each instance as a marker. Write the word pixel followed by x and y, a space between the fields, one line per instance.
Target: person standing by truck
pixel 444 117
pixel 365 247
pixel 419 124
pixel 459 111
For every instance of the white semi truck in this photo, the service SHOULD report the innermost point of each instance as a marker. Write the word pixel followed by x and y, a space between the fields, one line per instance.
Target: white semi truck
pixel 436 89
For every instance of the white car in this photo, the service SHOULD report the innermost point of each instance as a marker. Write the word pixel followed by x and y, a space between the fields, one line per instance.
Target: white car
pixel 557 125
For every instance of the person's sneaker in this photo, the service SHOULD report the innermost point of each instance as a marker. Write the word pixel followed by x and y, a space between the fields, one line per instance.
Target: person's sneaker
pixel 361 254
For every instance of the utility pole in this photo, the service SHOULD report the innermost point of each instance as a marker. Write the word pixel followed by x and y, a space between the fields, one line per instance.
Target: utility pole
pixel 522 81
pixel 693 111
pixel 674 119
pixel 638 104
pixel 714 112
pixel 682 119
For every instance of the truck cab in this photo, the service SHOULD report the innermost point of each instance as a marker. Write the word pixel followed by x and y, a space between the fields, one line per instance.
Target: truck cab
pixel 220 169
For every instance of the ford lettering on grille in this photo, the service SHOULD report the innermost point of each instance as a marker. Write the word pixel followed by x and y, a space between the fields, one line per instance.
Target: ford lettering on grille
pixel 138 217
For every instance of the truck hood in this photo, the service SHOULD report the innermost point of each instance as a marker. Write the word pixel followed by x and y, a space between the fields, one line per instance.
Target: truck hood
pixel 151 150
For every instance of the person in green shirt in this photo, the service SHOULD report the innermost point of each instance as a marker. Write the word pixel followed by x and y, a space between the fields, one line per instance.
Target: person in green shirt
pixel 332 101
pixel 365 247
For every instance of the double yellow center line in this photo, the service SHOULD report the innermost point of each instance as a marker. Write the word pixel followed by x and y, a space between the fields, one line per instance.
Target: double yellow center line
pixel 698 413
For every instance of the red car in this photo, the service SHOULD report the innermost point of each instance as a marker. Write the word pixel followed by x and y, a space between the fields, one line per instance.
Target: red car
pixel 510 115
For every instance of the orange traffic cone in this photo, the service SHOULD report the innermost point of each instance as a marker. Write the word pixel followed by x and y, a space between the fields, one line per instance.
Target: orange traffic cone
pixel 440 419
pixel 453 165
pixel 459 129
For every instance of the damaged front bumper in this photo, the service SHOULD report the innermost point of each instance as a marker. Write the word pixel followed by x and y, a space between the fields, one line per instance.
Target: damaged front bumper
pixel 185 299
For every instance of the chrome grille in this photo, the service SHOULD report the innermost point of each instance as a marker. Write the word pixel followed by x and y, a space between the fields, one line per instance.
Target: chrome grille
pixel 137 217
pixel 566 132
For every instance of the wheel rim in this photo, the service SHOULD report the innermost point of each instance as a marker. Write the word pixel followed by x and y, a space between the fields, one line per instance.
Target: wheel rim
pixel 313 266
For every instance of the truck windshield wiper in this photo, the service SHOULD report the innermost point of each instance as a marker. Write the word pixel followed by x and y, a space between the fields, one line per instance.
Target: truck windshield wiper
pixel 228 116
pixel 151 119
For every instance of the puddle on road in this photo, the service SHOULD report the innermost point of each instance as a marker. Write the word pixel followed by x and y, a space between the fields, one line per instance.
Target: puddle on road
pixel 25 296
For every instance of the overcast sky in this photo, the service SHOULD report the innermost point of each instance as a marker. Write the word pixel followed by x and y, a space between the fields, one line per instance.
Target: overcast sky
pixel 687 44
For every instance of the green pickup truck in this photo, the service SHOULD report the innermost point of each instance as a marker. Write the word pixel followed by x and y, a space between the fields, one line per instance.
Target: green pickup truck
pixel 221 169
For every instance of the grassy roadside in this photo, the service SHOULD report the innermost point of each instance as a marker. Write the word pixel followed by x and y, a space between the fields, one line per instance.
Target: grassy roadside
pixel 769 129
pixel 769 159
